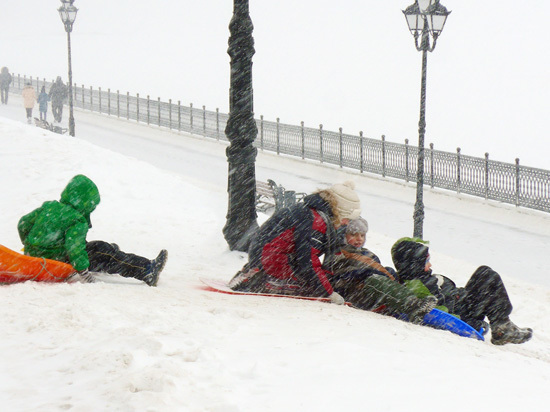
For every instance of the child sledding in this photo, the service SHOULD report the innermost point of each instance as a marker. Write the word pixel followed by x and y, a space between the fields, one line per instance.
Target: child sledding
pixel 285 259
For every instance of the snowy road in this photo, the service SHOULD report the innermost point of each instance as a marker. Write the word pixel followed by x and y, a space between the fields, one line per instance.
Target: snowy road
pixel 455 224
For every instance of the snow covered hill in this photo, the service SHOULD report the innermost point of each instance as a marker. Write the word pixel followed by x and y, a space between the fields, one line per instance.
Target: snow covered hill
pixel 118 345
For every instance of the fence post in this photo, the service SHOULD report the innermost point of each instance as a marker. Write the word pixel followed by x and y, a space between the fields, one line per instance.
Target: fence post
pixel 204 121
pixel 302 133
pixel 148 110
pixel 321 142
pixel 262 132
pixel 432 164
pixel 137 107
pixel 383 156
pixel 191 116
pixel 361 154
pixel 83 105
pixel 100 100
pixel 19 81
pixel 179 115
pixel 109 101
pixel 518 188
pixel 118 103
pixel 340 147
pixel 127 105
pixel 217 123
pixel 170 113
pixel 278 137
pixel 91 99
pixel 486 175
pixel 458 170
pixel 158 108
pixel 407 160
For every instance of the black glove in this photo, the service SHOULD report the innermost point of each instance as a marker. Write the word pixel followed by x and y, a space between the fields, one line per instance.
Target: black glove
pixel 86 276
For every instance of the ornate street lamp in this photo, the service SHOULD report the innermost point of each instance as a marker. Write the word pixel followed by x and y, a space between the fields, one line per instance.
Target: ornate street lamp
pixel 426 19
pixel 241 131
pixel 67 12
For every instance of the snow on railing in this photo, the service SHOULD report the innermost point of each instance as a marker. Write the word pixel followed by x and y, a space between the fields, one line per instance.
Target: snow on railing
pixel 504 182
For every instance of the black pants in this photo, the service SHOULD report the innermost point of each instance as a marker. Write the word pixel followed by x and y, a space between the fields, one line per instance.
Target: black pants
pixel 57 111
pixel 29 112
pixel 4 93
pixel 107 257
pixel 485 296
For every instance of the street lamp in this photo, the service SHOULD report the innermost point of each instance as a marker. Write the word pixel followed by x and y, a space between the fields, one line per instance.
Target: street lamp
pixel 241 131
pixel 426 19
pixel 67 12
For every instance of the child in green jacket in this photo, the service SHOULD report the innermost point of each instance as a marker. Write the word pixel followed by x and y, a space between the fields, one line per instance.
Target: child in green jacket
pixel 57 230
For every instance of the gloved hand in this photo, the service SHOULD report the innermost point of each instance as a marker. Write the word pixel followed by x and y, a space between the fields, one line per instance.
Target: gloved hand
pixel 86 276
pixel 336 298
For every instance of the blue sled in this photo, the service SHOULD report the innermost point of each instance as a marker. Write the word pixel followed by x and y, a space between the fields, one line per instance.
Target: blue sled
pixel 442 320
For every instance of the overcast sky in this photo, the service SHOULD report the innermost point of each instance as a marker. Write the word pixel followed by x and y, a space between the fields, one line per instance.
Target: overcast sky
pixel 345 64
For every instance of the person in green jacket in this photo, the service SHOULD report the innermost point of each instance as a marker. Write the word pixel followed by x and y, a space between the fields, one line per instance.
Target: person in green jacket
pixel 360 278
pixel 57 230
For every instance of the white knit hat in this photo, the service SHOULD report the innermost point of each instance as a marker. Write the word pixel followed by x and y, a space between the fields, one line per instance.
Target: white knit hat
pixel 347 201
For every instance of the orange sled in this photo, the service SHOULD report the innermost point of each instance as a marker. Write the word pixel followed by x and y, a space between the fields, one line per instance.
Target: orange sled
pixel 15 267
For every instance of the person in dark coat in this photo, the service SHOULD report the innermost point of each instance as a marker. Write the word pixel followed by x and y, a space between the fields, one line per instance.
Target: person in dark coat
pixel 362 280
pixel 5 81
pixel 285 254
pixel 57 230
pixel 43 99
pixel 484 295
pixel 58 94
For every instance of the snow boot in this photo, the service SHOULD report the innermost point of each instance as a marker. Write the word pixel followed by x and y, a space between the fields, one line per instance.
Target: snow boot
pixel 507 332
pixel 248 280
pixel 153 271
pixel 417 308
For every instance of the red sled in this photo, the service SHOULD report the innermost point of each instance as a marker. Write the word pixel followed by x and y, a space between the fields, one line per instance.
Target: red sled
pixel 15 268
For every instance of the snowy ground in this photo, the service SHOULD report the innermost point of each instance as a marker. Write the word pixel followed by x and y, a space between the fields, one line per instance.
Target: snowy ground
pixel 118 345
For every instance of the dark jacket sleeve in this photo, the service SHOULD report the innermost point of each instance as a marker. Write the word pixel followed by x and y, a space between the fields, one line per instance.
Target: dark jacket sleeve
pixel 308 255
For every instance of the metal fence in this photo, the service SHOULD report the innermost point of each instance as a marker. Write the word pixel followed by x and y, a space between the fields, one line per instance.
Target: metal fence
pixel 509 183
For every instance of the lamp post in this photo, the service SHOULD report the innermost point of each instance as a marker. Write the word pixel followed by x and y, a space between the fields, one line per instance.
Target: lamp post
pixel 426 19
pixel 241 131
pixel 67 12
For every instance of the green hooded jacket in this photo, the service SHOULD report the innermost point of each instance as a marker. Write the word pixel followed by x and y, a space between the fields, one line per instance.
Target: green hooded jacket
pixel 57 230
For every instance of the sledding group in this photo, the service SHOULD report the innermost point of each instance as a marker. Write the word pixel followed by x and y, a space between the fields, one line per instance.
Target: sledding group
pixel 285 257
pixel 314 248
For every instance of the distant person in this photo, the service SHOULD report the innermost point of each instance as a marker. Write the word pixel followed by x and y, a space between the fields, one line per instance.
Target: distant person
pixel 484 295
pixel 57 230
pixel 43 99
pixel 5 81
pixel 29 99
pixel 58 94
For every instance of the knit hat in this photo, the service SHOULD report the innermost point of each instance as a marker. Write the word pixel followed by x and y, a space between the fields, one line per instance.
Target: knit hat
pixel 347 201
pixel 358 225
pixel 409 256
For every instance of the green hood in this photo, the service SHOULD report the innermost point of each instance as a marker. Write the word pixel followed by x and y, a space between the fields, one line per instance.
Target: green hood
pixel 82 194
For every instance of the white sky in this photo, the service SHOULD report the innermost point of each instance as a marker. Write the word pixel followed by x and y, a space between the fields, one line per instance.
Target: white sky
pixel 344 64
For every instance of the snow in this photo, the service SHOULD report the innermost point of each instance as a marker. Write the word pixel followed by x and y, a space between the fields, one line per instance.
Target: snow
pixel 118 345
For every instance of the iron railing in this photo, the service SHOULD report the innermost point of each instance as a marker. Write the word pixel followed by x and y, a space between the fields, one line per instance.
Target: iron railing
pixel 504 182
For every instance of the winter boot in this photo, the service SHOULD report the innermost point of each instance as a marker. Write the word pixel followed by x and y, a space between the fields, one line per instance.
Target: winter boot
pixel 417 308
pixel 507 332
pixel 153 271
pixel 248 280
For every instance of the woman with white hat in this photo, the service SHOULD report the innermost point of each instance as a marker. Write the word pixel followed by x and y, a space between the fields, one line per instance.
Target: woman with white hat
pixel 285 254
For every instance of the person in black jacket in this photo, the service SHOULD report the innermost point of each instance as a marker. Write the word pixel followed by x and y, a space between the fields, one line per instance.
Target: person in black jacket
pixel 5 81
pixel 285 254
pixel 362 280
pixel 484 295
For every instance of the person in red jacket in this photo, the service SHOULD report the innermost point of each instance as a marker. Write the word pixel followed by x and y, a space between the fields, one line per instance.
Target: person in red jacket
pixel 285 254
